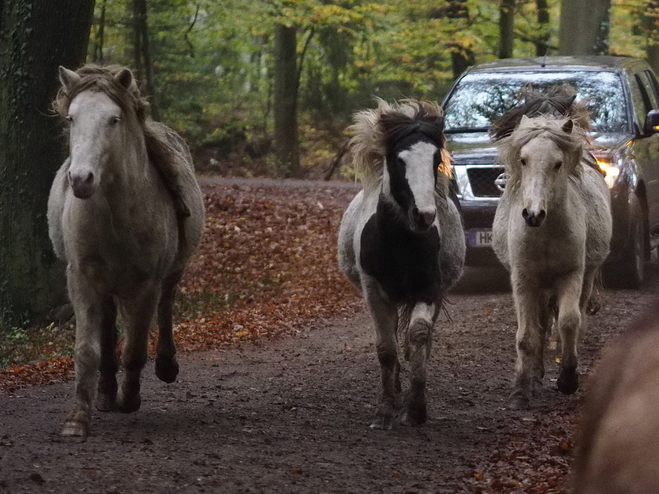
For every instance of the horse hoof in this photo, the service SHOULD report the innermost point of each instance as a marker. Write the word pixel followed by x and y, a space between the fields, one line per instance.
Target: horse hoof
pixel 382 422
pixel 129 404
pixel 166 369
pixel 568 381
pixel 413 418
pixel 106 402
pixel 76 425
pixel 518 401
pixel 415 412
pixel 75 430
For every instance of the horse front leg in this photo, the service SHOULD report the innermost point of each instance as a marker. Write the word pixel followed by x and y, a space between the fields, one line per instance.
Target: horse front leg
pixel 106 398
pixel 88 308
pixel 529 340
pixel 569 326
pixel 139 311
pixel 385 317
pixel 166 364
pixel 418 343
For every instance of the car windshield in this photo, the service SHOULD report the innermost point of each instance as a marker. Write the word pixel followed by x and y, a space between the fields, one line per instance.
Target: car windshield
pixel 481 98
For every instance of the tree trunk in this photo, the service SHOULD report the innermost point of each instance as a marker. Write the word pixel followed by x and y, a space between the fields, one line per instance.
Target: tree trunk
pixel 584 27
pixel 36 37
pixel 651 27
pixel 462 57
pixel 542 44
pixel 100 35
pixel 285 101
pixel 506 28
pixel 142 55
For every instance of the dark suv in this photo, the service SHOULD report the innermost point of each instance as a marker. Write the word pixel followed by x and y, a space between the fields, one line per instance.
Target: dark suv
pixel 622 95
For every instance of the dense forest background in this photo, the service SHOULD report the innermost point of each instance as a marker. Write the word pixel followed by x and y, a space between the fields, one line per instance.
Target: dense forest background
pixel 236 78
pixel 258 87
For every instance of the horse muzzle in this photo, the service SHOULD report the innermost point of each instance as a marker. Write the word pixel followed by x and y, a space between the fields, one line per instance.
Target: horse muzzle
pixel 534 219
pixel 82 184
pixel 422 220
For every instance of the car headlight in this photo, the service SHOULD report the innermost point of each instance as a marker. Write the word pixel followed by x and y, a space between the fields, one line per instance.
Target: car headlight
pixel 609 168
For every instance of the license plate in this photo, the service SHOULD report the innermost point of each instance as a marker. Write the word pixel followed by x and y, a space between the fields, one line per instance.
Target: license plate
pixel 480 238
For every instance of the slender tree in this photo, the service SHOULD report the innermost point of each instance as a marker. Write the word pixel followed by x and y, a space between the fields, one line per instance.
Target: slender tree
pixel 285 100
pixel 506 28
pixel 651 27
pixel 584 27
pixel 36 36
pixel 142 54
pixel 461 56
pixel 542 42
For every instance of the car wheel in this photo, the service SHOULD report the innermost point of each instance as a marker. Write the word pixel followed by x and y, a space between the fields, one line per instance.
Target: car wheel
pixel 629 271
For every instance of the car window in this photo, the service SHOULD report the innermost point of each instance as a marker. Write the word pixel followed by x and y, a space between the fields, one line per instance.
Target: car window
pixel 650 89
pixel 480 98
pixel 641 99
pixel 654 85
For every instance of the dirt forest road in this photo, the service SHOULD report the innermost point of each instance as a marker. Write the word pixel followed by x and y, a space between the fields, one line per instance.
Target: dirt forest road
pixel 291 415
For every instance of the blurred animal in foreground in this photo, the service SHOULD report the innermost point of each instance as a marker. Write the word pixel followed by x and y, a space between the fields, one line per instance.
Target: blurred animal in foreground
pixel 551 230
pixel 401 242
pixel 125 213
pixel 618 445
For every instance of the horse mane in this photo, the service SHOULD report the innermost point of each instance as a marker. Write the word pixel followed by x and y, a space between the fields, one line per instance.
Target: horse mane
pixel 558 102
pixel 377 131
pixel 571 144
pixel 162 150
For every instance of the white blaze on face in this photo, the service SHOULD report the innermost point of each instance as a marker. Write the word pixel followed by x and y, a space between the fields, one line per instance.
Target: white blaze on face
pixel 539 174
pixel 93 116
pixel 419 173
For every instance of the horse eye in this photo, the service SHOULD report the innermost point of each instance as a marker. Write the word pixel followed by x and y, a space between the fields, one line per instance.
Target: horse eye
pixel 400 162
pixel 523 161
pixel 114 120
pixel 69 118
pixel 558 165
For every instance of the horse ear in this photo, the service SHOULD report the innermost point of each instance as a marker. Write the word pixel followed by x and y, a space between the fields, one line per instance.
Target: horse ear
pixel 524 120
pixel 125 79
pixel 568 126
pixel 68 78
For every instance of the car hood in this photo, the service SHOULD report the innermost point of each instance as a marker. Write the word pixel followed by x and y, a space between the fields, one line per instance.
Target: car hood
pixel 611 140
pixel 471 147
pixel 477 148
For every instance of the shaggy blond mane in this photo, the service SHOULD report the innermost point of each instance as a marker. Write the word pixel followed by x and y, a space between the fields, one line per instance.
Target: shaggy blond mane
pixel 371 135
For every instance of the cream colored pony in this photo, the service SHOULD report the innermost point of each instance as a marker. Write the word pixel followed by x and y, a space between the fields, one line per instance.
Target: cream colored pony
pixel 552 230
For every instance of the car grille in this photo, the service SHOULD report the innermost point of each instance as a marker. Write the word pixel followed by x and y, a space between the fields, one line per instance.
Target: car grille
pixel 482 181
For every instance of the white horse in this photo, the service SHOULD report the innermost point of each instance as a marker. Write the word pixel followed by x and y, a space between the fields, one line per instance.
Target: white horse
pixel 401 241
pixel 125 213
pixel 552 230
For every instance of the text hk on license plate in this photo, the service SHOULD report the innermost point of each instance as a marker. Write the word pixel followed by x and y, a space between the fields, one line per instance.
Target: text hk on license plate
pixel 480 238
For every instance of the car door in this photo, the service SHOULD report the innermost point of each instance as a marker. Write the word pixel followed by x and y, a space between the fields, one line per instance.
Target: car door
pixel 646 152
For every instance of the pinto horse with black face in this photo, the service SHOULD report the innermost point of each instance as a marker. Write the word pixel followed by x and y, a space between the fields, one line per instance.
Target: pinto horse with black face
pixel 401 241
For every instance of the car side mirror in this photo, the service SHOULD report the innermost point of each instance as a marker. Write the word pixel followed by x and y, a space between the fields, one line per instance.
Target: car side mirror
pixel 652 122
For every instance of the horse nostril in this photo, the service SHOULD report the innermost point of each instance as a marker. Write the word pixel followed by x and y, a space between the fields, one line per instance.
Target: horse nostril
pixel 423 219
pixel 427 217
pixel 89 179
pixel 525 214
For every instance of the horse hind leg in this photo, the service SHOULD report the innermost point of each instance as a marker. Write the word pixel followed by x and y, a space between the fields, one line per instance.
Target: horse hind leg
pixel 166 365
pixel 107 384
pixel 385 317
pixel 139 312
pixel 418 342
